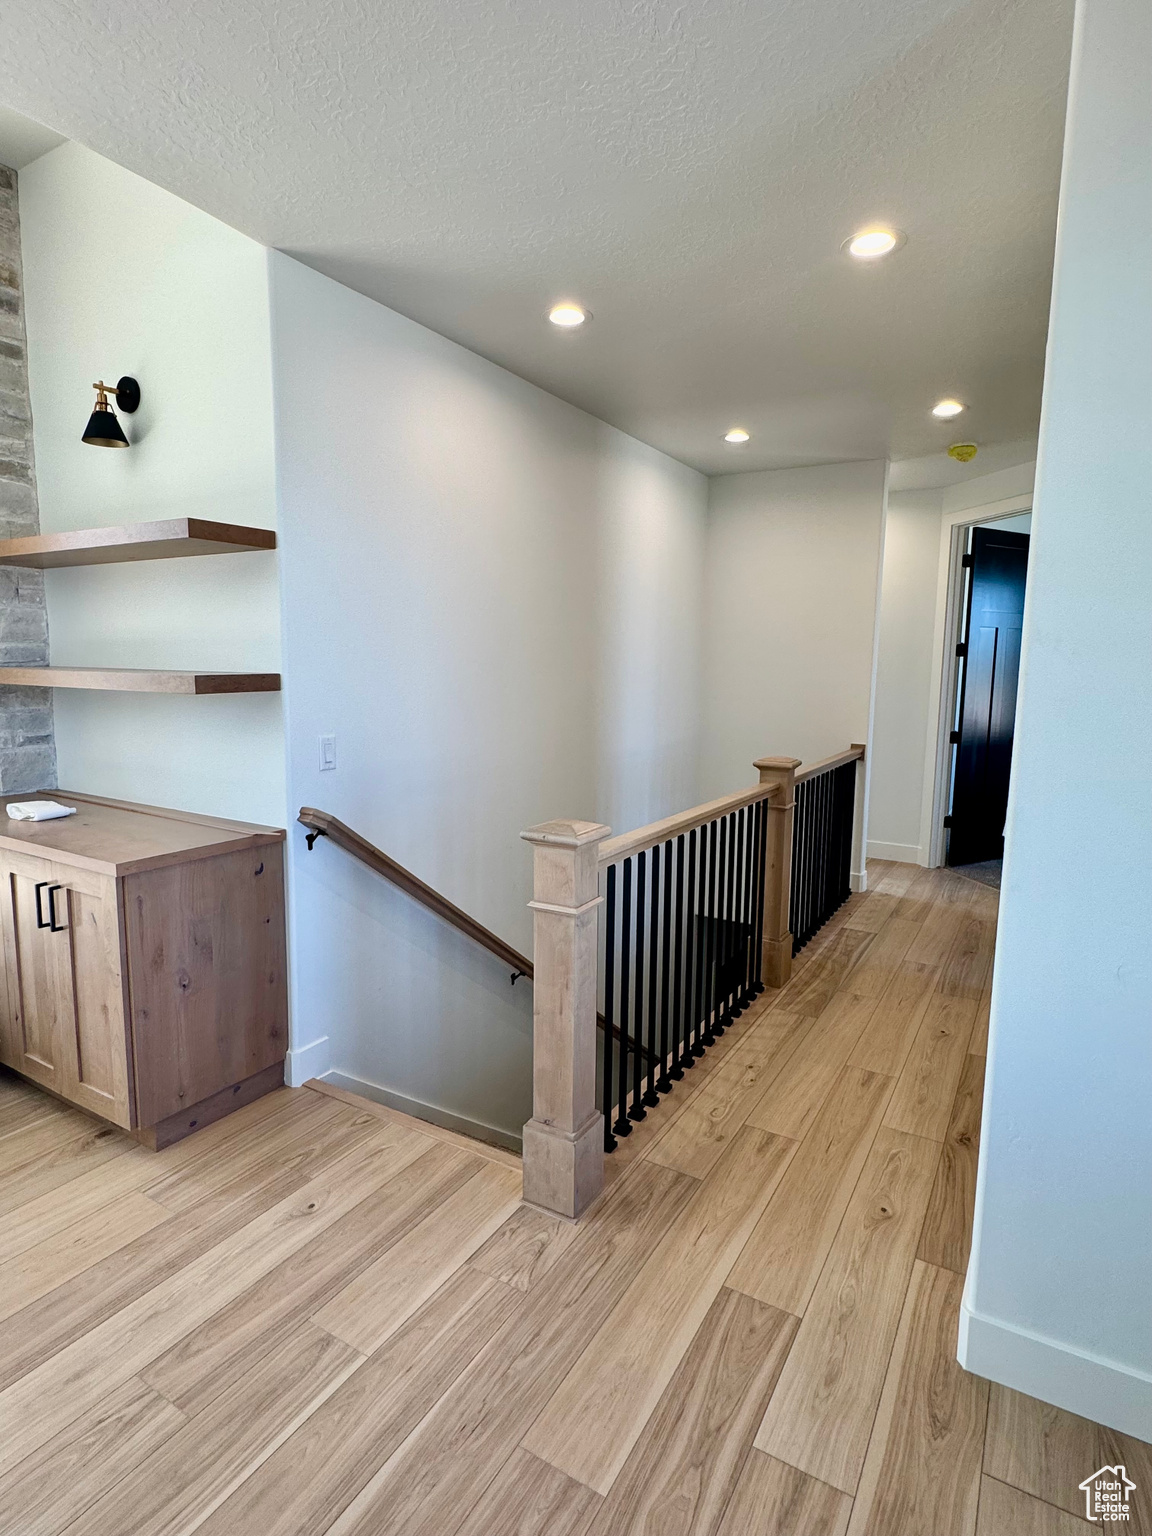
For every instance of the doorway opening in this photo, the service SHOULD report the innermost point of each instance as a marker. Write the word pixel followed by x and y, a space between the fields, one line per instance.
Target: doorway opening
pixel 991 583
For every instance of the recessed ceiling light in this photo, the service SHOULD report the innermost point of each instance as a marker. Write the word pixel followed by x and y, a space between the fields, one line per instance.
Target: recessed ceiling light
pixel 946 409
pixel 867 244
pixel 736 435
pixel 568 316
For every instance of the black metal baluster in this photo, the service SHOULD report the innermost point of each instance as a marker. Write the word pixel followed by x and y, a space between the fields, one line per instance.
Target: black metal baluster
pixel 623 1126
pixel 817 838
pixel 651 1097
pixel 817 855
pixel 699 923
pixel 636 1110
pixel 704 1036
pixel 713 971
pixel 692 968
pixel 825 844
pixel 794 885
pixel 718 927
pixel 664 1081
pixel 676 1070
pixel 723 877
pixel 725 899
pixel 609 1002
pixel 797 856
pixel 758 925
pixel 810 854
pixel 833 877
pixel 700 989
pixel 814 902
pixel 729 978
pixel 747 823
pixel 837 838
pixel 719 1019
pixel 753 895
pixel 799 845
pixel 741 949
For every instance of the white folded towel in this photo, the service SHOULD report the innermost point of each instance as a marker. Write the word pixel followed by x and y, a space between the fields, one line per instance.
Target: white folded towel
pixel 39 810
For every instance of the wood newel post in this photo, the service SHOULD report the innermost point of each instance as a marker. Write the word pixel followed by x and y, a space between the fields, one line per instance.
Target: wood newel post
pixel 564 1140
pixel 777 937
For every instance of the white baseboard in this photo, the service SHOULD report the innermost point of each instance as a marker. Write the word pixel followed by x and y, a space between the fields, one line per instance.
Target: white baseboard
pixel 859 880
pixel 421 1111
pixel 306 1061
pixel 1084 1384
pixel 897 853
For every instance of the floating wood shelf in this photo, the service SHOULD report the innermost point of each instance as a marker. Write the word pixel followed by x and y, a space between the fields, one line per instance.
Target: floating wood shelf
pixel 136 541
pixel 133 680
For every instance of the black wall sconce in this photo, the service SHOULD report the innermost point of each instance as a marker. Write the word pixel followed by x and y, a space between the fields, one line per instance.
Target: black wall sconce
pixel 103 429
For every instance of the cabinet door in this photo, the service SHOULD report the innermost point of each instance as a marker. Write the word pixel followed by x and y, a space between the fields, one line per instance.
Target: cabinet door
pixel 36 981
pixel 65 983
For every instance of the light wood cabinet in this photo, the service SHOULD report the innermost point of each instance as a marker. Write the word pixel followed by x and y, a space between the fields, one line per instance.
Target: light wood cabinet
pixel 144 962
pixel 65 1021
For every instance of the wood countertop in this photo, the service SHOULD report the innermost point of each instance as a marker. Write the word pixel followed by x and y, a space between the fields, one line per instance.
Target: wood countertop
pixel 117 837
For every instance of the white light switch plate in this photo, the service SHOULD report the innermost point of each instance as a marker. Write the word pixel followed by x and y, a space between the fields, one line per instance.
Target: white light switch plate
pixel 327 753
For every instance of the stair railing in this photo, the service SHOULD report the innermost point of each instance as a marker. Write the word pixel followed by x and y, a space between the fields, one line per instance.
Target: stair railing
pixel 321 824
pixel 823 820
pixel 678 926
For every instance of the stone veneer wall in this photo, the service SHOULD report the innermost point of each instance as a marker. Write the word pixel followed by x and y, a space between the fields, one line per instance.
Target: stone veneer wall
pixel 27 745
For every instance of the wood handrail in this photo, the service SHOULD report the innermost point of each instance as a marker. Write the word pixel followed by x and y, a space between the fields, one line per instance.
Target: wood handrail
pixel 837 760
pixel 321 824
pixel 613 849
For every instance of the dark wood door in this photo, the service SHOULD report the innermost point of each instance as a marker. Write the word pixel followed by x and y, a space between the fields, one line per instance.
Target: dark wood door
pixel 987 712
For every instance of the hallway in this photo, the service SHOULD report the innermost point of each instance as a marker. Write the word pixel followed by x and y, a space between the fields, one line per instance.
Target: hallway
pixel 320 1316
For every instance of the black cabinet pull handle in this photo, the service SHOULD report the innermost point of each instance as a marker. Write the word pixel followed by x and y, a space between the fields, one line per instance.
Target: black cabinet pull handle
pixel 52 923
pixel 41 921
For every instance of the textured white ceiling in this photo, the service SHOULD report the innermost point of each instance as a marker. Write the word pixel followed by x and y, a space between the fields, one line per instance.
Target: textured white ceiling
pixel 688 171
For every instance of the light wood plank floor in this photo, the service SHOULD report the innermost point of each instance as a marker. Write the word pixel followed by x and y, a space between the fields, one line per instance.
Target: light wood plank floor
pixel 322 1316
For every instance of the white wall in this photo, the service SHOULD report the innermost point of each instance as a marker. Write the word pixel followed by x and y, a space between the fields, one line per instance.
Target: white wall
pixel 1059 1300
pixel 493 602
pixel 122 277
pixel 904 665
pixel 917 614
pixel 989 491
pixel 791 594
pixel 652 534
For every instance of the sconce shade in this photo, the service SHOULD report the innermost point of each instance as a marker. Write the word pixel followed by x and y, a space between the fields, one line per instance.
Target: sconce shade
pixel 104 431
